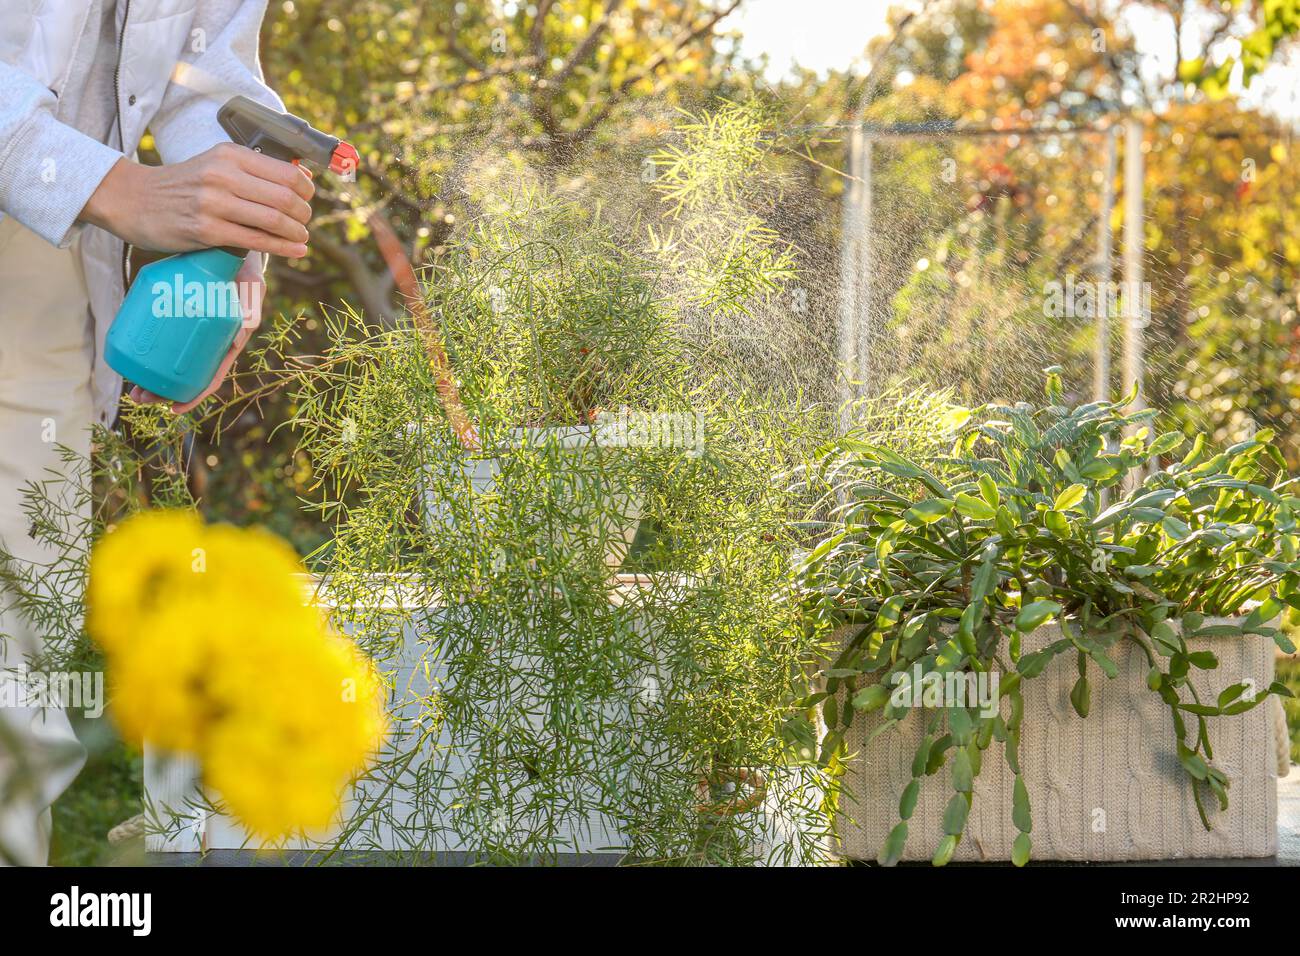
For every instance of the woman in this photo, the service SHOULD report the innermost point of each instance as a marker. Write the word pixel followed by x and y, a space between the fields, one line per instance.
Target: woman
pixel 80 81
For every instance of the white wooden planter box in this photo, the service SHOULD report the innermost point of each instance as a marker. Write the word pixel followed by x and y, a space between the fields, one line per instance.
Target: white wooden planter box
pixel 1105 787
pixel 171 787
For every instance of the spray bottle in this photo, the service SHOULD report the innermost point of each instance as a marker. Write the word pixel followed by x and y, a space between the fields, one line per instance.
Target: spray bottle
pixel 182 313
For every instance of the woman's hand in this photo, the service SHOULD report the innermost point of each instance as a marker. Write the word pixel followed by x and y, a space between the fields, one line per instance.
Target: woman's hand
pixel 252 289
pixel 227 196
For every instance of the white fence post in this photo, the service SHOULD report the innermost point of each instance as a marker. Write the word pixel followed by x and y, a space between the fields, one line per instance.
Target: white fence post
pixel 855 268
pixel 1105 267
pixel 1135 299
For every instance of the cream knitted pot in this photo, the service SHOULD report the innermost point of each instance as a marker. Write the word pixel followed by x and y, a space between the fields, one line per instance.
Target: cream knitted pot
pixel 1105 787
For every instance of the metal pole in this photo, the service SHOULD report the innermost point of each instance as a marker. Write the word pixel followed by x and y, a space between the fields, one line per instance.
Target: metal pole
pixel 1134 317
pixel 1105 267
pixel 866 323
pixel 855 265
pixel 848 267
pixel 1135 297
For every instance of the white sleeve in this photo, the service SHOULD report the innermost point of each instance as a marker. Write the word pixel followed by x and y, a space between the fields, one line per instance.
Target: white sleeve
pixel 48 170
pixel 225 64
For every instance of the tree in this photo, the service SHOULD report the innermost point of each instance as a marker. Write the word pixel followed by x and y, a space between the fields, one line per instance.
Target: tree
pixel 425 90
pixel 1021 212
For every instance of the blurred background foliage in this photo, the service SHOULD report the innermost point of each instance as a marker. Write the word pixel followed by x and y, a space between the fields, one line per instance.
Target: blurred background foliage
pixel 442 97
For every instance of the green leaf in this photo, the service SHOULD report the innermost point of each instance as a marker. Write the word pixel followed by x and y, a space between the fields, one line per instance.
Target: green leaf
pixel 1240 707
pixel 1205 660
pixel 1017 712
pixel 1217 630
pixel 973 507
pixel 871 698
pixel 896 464
pixel 986 575
pixel 1178 666
pixel 928 511
pixel 1169 441
pixel 963 779
pixel 1192 763
pixel 1231 693
pixel 1035 614
pixel 1020 814
pixel 1012 748
pixel 1099 469
pixel 832 745
pixel 1220 790
pixel 938 754
pixel 959 723
pixel 892 850
pixel 989 491
pixel 890 612
pixel 823 549
pixel 1032 664
pixel 950 654
pixel 970 619
pixel 921 760
pixel 1268 609
pixel 954 815
pixel 1081 696
pixel 1020 850
pixel 1166 638
pixel 907 802
pixel 943 853
pixel 803 703
pixel 1175 527
pixel 1069 498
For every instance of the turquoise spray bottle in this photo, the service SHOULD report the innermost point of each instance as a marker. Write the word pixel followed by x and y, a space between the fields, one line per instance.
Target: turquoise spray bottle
pixel 182 313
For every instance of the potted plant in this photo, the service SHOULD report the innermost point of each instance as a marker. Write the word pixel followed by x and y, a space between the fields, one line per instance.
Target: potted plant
pixel 540 707
pixel 557 335
pixel 982 593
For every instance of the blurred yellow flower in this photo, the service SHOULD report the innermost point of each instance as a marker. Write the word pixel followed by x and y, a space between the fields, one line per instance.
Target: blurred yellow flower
pixel 214 650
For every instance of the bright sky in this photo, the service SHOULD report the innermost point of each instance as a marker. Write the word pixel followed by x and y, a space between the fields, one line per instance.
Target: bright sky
pixel 819 34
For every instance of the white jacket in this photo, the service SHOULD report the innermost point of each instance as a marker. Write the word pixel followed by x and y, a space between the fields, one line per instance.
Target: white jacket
pixel 179 60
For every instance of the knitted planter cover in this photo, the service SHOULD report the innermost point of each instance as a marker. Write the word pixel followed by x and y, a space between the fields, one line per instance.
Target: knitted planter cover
pixel 1105 787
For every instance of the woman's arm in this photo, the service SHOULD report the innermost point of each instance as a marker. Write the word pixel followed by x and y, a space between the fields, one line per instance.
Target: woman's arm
pixel 48 170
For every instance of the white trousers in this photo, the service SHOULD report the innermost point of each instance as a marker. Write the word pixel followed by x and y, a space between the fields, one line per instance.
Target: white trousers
pixel 46 355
